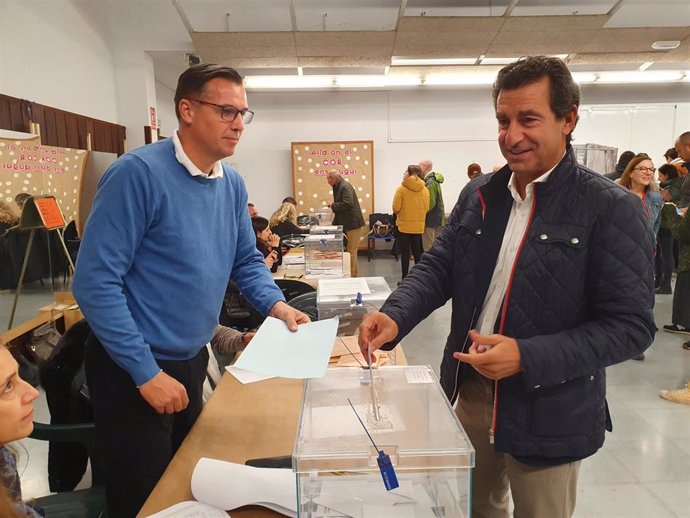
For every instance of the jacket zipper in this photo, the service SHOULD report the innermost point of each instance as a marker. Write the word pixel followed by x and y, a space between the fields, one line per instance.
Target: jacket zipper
pixel 492 429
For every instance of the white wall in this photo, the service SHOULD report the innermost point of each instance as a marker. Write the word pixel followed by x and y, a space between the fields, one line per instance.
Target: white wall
pixel 49 53
pixel 451 127
pixel 165 97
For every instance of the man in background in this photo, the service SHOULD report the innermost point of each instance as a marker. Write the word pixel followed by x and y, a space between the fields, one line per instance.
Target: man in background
pixel 348 214
pixel 168 229
pixel 435 216
pixel 623 161
pixel 252 210
pixel 683 149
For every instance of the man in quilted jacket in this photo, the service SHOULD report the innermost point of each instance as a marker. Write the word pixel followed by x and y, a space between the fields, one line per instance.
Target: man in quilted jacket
pixel 549 267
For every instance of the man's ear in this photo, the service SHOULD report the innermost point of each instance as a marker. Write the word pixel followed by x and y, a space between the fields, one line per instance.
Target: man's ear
pixel 570 120
pixel 186 111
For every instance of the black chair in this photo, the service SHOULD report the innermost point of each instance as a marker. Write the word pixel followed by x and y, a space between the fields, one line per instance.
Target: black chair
pixel 84 503
pixel 306 303
pixel 292 288
pixel 381 228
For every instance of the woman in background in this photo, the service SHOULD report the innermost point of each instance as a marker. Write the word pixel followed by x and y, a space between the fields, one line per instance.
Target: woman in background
pixel 267 242
pixel 16 422
pixel 410 205
pixel 670 184
pixel 283 221
pixel 8 217
pixel 639 178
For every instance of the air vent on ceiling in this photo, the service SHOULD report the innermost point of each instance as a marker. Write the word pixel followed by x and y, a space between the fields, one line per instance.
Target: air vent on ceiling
pixel 192 59
pixel 665 45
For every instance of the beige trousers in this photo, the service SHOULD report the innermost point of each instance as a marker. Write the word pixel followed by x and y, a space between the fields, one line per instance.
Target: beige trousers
pixel 353 238
pixel 538 492
pixel 429 237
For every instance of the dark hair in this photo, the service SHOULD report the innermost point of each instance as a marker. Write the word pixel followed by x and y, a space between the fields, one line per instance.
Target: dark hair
pixel 192 82
pixel 414 169
pixel 671 153
pixel 565 93
pixel 625 158
pixel 259 224
pixel 668 170
pixel 289 199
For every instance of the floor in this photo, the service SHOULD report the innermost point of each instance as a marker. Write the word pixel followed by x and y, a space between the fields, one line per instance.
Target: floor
pixel 643 470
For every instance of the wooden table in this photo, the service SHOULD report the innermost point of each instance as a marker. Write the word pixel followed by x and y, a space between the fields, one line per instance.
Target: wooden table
pixel 239 422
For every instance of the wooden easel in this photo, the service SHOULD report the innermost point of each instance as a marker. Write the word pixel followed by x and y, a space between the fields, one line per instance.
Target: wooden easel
pixel 39 212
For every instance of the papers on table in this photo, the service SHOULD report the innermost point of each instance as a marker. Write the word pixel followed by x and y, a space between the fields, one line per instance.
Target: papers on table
pixel 190 509
pixel 277 351
pixel 226 485
pixel 293 259
pixel 347 286
pixel 246 377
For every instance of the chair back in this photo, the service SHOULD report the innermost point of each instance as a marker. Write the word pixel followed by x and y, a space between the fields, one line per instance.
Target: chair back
pixel 306 303
pixel 292 288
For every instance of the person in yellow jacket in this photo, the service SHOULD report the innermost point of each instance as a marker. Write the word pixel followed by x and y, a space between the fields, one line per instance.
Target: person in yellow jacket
pixel 410 205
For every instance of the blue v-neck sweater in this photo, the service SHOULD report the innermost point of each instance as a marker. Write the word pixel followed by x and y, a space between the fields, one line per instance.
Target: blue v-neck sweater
pixel 158 250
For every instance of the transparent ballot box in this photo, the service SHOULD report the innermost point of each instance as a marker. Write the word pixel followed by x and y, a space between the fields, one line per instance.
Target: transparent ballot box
pixel 350 300
pixel 327 229
pixel 323 255
pixel 336 464
pixel 324 217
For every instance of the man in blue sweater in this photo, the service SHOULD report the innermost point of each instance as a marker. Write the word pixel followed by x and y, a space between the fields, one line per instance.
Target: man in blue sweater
pixel 168 229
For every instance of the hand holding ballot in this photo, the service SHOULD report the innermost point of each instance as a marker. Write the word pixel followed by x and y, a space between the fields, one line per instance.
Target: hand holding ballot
pixel 291 316
pixel 376 330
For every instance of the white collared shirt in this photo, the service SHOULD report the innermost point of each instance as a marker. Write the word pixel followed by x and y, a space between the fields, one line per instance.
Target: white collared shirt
pixel 182 158
pixel 515 232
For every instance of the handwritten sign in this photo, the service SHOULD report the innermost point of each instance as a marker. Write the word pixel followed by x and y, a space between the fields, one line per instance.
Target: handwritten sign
pixel 27 166
pixel 50 212
pixel 311 163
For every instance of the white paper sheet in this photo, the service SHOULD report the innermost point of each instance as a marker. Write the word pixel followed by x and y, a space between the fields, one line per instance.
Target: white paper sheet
pixel 227 485
pixel 324 417
pixel 244 376
pixel 293 259
pixel 419 374
pixel 190 509
pixel 347 286
pixel 277 351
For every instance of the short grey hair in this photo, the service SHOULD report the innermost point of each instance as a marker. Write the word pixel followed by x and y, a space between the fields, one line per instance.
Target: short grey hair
pixel 335 175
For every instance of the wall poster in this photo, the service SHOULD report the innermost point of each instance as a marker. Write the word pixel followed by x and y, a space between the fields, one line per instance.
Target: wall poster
pixel 312 161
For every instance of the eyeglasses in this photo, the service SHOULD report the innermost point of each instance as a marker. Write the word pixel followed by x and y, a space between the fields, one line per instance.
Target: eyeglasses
pixel 645 169
pixel 229 113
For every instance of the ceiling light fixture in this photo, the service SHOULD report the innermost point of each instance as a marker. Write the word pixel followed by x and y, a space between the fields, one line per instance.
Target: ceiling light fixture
pixel 403 61
pixel 666 45
pixel 652 76
pixel 645 66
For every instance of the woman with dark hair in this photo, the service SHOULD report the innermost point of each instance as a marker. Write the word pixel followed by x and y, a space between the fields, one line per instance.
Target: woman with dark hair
pixel 267 242
pixel 16 422
pixel 410 205
pixel 670 184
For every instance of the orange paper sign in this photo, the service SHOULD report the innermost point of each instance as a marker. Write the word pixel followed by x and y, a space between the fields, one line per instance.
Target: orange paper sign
pixel 50 212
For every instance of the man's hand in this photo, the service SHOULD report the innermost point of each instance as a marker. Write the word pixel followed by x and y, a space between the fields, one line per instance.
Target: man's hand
pixel 376 329
pixel 165 394
pixel 500 360
pixel 246 338
pixel 289 315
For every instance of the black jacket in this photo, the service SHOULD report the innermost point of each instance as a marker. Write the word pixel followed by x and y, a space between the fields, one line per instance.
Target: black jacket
pixel 346 207
pixel 580 299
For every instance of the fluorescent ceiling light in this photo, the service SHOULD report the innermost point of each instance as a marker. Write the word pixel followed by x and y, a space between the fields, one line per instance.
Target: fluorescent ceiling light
pixel 666 45
pixel 645 66
pixel 459 79
pixel 369 81
pixel 584 77
pixel 402 61
pixel 651 76
pixel 506 61
pixel 274 82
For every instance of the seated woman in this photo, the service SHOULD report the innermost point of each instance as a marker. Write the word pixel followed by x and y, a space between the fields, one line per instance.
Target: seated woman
pixel 267 243
pixel 16 422
pixel 8 217
pixel 284 220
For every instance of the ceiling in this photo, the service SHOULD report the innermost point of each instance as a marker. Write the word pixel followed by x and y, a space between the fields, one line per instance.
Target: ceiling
pixel 351 37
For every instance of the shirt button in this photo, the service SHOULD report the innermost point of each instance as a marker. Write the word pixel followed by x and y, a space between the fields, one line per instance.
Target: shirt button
pixel 478 231
pixel 574 240
pixel 543 237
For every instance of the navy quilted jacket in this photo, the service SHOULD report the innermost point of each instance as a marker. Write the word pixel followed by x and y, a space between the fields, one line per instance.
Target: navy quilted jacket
pixel 580 299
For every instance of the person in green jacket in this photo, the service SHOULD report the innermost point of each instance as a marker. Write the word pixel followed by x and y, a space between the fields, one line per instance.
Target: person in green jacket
pixel 670 184
pixel 435 216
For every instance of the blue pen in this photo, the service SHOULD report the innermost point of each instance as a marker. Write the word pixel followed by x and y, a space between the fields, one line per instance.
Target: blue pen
pixel 390 480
